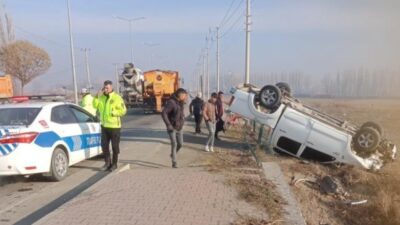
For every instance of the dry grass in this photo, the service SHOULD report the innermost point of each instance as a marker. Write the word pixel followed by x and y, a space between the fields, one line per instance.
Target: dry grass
pixel 242 173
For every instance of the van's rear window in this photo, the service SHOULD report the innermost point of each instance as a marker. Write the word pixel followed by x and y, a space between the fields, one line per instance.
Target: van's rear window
pixel 18 116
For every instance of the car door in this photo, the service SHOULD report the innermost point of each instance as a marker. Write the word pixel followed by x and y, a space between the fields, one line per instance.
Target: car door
pixel 65 125
pixel 291 132
pixel 91 132
pixel 325 143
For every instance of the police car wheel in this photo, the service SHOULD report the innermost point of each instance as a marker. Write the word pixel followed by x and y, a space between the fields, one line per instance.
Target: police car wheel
pixel 59 165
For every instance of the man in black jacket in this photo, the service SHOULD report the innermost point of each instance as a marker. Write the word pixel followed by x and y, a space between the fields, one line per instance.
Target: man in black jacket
pixel 174 118
pixel 196 109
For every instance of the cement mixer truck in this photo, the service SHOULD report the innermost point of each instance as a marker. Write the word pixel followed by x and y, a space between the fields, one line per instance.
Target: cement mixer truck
pixel 149 90
pixel 131 85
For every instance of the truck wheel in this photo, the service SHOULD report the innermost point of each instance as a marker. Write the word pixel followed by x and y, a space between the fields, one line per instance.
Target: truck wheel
pixel 373 125
pixel 366 139
pixel 270 96
pixel 59 165
pixel 285 88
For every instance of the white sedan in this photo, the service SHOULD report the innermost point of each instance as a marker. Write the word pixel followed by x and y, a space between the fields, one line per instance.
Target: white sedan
pixel 46 138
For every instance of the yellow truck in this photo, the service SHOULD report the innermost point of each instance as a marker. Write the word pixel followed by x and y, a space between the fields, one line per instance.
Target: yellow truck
pixel 158 87
pixel 6 87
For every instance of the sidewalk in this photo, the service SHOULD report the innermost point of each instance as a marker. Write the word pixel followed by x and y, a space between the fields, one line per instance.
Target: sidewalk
pixel 156 195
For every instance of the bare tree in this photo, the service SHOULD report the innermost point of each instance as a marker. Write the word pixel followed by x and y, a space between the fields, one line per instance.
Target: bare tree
pixel 24 61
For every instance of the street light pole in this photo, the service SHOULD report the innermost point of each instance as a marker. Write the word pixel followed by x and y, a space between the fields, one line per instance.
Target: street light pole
pixel 130 21
pixel 218 60
pixel 116 78
pixel 86 50
pixel 247 63
pixel 71 41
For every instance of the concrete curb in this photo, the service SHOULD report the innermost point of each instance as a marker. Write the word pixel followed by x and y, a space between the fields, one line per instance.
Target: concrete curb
pixel 273 173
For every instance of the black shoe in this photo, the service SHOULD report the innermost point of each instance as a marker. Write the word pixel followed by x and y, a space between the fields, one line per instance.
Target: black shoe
pixel 174 165
pixel 112 168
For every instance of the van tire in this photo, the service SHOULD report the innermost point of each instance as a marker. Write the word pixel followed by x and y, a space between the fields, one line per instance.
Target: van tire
pixel 59 165
pixel 270 96
pixel 285 88
pixel 366 139
pixel 373 125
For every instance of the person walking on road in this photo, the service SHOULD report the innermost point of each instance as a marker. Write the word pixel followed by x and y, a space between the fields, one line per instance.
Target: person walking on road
pixel 219 114
pixel 87 101
pixel 174 118
pixel 196 109
pixel 111 108
pixel 209 114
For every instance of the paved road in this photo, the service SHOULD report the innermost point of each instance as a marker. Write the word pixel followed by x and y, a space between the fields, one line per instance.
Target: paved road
pixel 20 196
pixel 144 145
pixel 151 192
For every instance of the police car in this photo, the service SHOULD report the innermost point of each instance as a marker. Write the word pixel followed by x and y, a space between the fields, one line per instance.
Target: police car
pixel 46 137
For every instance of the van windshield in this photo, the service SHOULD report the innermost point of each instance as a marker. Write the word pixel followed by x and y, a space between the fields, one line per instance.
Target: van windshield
pixel 18 116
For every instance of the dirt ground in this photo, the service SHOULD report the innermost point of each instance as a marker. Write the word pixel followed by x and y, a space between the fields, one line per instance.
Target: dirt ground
pixel 380 189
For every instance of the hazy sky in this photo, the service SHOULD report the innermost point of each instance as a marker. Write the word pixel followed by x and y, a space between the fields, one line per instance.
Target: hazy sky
pixel 310 36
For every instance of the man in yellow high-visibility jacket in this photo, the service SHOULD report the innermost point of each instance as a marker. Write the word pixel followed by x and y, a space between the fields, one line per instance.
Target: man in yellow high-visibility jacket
pixel 111 108
pixel 87 101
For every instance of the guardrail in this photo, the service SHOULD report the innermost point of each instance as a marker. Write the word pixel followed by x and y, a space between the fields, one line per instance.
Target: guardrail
pixel 256 137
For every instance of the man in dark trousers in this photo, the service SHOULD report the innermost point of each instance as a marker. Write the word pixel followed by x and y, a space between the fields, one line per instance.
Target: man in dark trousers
pixel 174 118
pixel 219 113
pixel 111 108
pixel 196 109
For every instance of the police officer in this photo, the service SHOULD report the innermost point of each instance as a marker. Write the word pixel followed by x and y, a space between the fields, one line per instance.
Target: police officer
pixel 87 101
pixel 111 108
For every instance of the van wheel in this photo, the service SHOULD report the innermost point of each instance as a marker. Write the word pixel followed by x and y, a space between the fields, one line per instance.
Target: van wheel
pixel 59 165
pixel 373 125
pixel 366 139
pixel 285 88
pixel 270 96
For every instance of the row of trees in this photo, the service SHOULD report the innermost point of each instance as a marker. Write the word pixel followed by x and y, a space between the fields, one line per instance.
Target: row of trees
pixel 21 59
pixel 355 84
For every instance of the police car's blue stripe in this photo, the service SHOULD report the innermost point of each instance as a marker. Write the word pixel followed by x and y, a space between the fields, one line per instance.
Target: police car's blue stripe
pixel 14 145
pixel 2 150
pixel 9 150
pixel 75 143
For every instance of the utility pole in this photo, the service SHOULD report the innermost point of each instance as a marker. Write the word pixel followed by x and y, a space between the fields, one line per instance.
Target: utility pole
pixel 218 60
pixel 116 78
pixel 71 42
pixel 86 50
pixel 204 76
pixel 248 23
pixel 208 69
pixel 130 21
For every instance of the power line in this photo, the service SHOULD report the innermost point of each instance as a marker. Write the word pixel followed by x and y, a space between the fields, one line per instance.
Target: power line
pixel 231 27
pixel 226 14
pixel 232 14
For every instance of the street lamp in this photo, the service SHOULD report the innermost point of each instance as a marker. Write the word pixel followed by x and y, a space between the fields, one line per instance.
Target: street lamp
pixel 130 21
pixel 71 42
